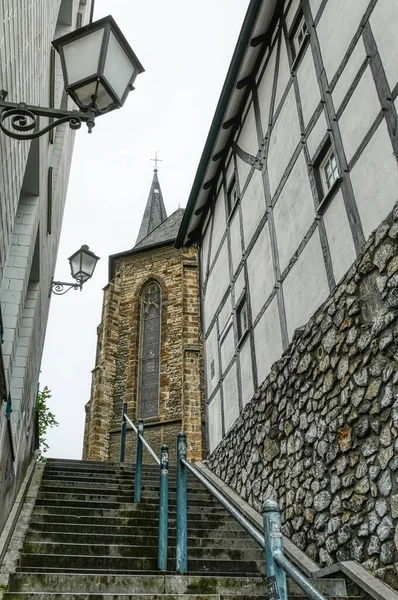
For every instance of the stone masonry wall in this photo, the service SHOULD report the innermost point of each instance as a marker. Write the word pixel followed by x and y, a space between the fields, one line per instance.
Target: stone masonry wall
pixel 321 433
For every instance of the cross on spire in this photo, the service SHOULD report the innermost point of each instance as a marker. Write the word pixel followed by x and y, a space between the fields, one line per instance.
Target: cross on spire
pixel 156 160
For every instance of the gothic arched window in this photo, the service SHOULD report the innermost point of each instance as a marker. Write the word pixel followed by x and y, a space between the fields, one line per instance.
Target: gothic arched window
pixel 151 303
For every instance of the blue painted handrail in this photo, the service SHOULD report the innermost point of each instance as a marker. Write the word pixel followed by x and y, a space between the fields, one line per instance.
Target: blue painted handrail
pixel 272 541
pixel 181 528
pixel 163 508
pixel 123 433
pixel 163 463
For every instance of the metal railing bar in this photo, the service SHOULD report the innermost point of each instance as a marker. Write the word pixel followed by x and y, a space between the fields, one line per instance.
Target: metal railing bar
pixel 295 574
pixel 143 440
pixel 252 531
pixel 278 557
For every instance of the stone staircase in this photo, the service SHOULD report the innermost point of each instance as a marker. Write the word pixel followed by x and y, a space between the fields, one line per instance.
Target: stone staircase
pixel 86 540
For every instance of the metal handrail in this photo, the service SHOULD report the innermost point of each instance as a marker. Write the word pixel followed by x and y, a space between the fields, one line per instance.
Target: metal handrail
pixel 272 542
pixel 143 440
pixel 251 530
pixel 163 463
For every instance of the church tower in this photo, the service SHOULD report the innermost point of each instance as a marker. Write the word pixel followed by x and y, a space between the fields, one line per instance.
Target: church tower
pixel 149 352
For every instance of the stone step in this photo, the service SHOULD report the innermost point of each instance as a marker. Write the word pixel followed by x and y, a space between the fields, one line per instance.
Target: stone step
pixel 79 584
pixel 34 582
pixel 133 517
pixel 138 540
pixel 152 482
pixel 115 564
pixel 143 596
pixel 89 498
pixel 249 553
pixel 115 490
pixel 107 468
pixel 44 529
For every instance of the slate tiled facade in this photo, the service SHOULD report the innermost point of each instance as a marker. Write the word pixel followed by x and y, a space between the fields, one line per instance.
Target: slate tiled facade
pixel 33 174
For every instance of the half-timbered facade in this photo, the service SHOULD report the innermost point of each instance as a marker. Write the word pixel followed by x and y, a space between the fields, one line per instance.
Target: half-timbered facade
pixel 299 167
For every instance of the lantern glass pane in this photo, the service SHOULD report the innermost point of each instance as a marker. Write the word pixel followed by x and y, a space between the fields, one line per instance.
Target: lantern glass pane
pixel 86 92
pixel 118 67
pixel 75 264
pixel 82 56
pixel 88 263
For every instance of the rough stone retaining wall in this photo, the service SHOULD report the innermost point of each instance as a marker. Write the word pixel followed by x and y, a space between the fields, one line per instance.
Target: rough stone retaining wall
pixel 321 433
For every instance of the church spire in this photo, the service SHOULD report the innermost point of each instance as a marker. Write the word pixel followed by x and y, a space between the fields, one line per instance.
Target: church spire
pixel 155 212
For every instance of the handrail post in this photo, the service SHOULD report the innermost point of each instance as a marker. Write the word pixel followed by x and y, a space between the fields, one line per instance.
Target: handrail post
pixel 274 543
pixel 138 463
pixel 163 507
pixel 181 549
pixel 123 433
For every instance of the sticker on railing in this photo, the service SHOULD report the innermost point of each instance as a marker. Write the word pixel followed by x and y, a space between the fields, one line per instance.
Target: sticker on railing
pixel 273 590
pixel 275 529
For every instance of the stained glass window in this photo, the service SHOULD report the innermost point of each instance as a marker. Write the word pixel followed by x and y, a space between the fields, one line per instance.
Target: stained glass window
pixel 150 350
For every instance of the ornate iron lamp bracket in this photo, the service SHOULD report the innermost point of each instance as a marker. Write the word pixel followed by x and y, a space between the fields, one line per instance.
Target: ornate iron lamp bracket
pixel 20 121
pixel 61 287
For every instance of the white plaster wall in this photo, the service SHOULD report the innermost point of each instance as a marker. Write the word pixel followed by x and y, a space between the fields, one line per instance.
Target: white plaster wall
pixel 306 286
pixel 236 245
pixel 219 224
pixel 244 170
pixel 359 114
pixel 283 73
pixel 252 206
pixel 315 4
pixel 350 70
pixel 383 22
pixel 214 421
pixel 375 180
pixel 227 348
pixel 267 340
pixel 265 90
pixel 291 13
pixel 224 314
pixel 211 351
pixel 204 252
pixel 247 387
pixel 294 212
pixel 260 271
pixel 308 86
pixel 230 171
pixel 230 394
pixel 284 138
pixel 336 28
pixel 317 134
pixel 239 285
pixel 248 139
pixel 338 231
pixel 217 284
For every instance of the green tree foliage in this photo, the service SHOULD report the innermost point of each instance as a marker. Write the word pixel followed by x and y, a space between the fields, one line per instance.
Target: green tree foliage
pixel 46 418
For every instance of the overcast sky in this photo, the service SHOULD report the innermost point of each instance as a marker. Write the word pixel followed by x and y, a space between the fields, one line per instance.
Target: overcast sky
pixel 185 48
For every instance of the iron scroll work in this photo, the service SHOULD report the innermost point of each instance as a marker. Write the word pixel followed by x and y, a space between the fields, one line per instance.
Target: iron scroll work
pixel 59 288
pixel 21 121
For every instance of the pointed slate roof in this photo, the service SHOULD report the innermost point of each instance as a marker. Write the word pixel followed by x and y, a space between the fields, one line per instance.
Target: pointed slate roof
pixel 165 232
pixel 155 212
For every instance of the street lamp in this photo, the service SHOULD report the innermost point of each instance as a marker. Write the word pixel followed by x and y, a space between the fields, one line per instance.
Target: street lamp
pixel 99 69
pixel 82 265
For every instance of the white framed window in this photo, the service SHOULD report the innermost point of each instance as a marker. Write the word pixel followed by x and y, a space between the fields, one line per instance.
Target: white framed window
pixel 242 318
pixel 328 170
pixel 299 36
